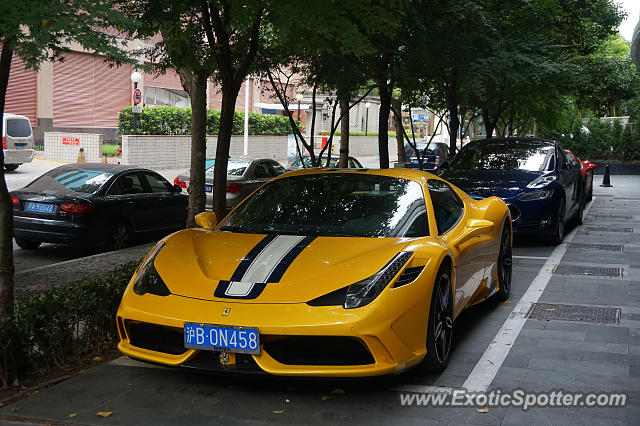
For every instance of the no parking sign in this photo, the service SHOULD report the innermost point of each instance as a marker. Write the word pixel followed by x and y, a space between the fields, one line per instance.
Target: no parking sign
pixel 136 105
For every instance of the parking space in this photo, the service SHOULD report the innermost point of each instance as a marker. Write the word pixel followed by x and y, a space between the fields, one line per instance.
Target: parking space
pixel 496 346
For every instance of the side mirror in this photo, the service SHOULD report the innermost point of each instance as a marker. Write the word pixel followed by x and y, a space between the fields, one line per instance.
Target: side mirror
pixel 206 220
pixel 177 188
pixel 474 228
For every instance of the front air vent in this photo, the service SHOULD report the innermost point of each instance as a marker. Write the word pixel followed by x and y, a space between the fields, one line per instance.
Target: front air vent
pixel 408 276
pixel 155 337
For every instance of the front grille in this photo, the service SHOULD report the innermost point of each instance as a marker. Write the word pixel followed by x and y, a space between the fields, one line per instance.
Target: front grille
pixel 317 350
pixel 515 212
pixel 408 276
pixel 156 337
pixel 531 223
pixel 210 361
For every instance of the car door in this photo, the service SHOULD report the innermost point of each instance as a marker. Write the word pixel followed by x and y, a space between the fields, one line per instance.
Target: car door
pixel 449 214
pixel 170 207
pixel 128 190
pixel 570 183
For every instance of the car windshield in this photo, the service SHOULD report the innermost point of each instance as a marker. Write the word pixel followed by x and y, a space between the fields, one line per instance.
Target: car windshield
pixel 234 167
pixel 73 180
pixel 333 204
pixel 503 156
pixel 323 162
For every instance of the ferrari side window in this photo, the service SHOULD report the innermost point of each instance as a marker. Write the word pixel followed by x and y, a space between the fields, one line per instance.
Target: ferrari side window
pixel 447 206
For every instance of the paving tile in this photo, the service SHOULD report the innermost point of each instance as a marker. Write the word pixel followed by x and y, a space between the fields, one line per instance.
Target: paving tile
pixel 585 346
pixel 554 334
pixel 600 369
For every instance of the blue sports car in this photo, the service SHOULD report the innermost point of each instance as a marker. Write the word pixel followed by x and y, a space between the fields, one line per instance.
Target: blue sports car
pixel 534 177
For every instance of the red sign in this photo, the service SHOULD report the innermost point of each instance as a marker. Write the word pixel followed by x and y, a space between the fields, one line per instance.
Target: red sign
pixel 137 96
pixel 70 141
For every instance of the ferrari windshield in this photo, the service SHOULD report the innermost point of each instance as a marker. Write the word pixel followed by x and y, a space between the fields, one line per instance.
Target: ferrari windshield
pixel 504 156
pixel 334 204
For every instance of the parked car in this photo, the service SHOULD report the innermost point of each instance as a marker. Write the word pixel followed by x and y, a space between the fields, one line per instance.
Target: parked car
pixel 244 175
pixel 542 188
pixel 587 169
pixel 96 204
pixel 321 273
pixel 17 141
pixel 434 155
pixel 352 163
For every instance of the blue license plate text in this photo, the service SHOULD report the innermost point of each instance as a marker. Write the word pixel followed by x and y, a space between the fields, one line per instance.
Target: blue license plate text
pixel 222 338
pixel 30 206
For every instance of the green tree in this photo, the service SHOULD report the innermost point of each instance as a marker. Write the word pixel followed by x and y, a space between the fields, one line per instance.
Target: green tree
pixel 38 32
pixel 205 39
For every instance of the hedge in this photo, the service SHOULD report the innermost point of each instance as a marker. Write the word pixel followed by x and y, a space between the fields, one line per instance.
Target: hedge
pixel 168 120
pixel 61 327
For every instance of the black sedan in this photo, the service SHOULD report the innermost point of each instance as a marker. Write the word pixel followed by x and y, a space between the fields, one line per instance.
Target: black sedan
pixel 96 205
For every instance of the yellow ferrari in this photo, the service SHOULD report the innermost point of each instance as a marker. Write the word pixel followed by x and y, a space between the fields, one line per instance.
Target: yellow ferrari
pixel 321 273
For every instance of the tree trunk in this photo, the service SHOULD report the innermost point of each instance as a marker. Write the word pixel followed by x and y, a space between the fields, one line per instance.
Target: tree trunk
pixel 196 83
pixel 454 123
pixel 344 99
pixel 6 206
pixel 396 104
pixel 229 96
pixel 488 123
pixel 383 123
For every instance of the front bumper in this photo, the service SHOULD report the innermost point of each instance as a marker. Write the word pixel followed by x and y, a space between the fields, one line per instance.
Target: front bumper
pixel 18 156
pixel 382 334
pixel 535 216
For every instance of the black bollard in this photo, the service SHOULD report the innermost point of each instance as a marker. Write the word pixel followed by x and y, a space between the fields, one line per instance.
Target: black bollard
pixel 606 180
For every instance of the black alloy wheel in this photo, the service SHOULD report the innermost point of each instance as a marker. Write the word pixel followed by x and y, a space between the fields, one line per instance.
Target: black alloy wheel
pixel 558 230
pixel 11 167
pixel 120 237
pixel 505 263
pixel 27 244
pixel 440 327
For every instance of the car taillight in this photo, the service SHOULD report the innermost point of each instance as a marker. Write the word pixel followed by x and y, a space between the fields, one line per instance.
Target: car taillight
pixel 4 142
pixel 437 161
pixel 234 188
pixel 78 208
pixel 15 201
pixel 180 183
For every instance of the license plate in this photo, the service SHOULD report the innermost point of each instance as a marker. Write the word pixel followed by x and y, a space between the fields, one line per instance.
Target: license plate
pixel 30 206
pixel 20 145
pixel 208 188
pixel 213 337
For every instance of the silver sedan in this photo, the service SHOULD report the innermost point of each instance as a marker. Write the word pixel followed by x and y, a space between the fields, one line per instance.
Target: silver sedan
pixel 244 175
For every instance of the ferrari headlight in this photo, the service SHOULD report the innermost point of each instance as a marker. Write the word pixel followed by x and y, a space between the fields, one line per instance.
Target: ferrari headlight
pixel 363 292
pixel 539 194
pixel 148 280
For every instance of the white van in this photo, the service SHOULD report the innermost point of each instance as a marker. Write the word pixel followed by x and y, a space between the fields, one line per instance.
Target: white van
pixel 17 141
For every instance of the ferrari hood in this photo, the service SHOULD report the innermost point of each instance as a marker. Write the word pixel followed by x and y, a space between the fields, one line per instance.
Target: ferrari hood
pixel 259 268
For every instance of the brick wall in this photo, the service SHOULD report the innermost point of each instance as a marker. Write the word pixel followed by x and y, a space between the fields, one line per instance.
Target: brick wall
pixel 65 147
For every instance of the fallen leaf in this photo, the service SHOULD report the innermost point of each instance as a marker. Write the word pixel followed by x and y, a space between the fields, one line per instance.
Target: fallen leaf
pixel 129 384
pixel 35 392
pixel 233 386
pixel 278 411
pixel 326 397
pixel 15 383
pixel 587 273
pixel 97 359
pixel 507 301
pixel 72 415
pixel 1 404
pixel 14 409
pixel 550 309
pixel 104 414
pixel 337 392
pixel 482 409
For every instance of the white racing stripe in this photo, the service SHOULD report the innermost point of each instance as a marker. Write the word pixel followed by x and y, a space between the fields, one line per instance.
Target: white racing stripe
pixel 269 257
pixel 486 369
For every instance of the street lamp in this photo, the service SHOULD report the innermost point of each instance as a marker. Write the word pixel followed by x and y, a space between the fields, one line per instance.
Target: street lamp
pixel 367 105
pixel 136 78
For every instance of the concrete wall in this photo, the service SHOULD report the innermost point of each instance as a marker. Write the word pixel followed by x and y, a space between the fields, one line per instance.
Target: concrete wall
pixel 65 147
pixel 174 152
